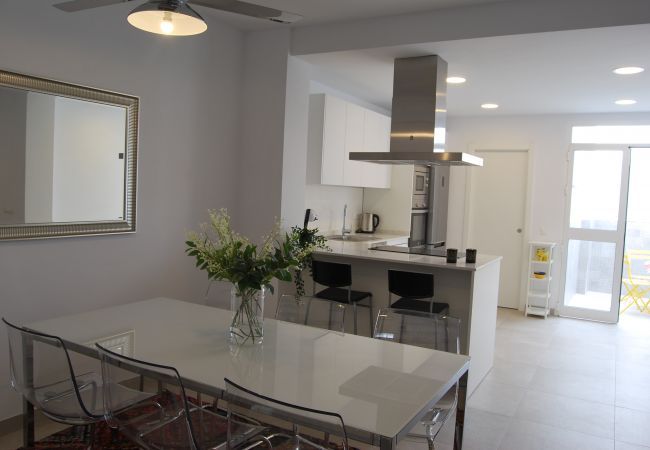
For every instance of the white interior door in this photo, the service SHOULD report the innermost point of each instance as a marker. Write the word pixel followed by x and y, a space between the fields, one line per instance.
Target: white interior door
pixel 595 232
pixel 497 211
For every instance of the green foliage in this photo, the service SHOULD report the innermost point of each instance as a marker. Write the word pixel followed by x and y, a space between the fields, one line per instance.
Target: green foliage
pixel 303 242
pixel 228 256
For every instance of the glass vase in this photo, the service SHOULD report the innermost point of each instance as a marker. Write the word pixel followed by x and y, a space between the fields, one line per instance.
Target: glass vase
pixel 247 325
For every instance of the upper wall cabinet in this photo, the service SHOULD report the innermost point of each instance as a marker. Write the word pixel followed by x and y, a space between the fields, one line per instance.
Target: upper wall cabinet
pixel 336 128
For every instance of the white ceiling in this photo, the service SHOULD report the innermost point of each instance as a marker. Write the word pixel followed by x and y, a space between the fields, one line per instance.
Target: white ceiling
pixel 315 11
pixel 324 11
pixel 560 72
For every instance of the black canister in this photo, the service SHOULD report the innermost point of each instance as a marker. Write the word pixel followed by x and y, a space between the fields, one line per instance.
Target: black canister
pixel 470 255
pixel 452 255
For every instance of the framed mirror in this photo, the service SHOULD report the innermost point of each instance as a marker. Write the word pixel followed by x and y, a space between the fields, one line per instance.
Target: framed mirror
pixel 68 159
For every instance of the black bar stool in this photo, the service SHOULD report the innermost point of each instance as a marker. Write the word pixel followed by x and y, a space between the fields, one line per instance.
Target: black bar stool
pixel 337 278
pixel 415 291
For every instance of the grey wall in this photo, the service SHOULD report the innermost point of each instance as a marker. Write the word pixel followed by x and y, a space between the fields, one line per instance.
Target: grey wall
pixel 13 113
pixel 262 131
pixel 190 95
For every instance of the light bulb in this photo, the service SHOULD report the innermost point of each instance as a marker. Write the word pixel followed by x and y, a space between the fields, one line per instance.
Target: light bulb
pixel 166 24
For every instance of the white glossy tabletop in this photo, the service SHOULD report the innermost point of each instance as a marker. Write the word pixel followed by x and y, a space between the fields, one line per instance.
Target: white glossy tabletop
pixel 377 386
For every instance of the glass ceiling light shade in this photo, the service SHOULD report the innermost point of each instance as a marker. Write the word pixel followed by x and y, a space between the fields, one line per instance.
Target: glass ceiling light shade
pixel 168 17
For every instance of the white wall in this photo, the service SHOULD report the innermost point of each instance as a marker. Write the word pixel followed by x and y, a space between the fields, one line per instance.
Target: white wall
pixel 393 205
pixel 39 157
pixel 328 201
pixel 548 137
pixel 189 138
pixel 88 181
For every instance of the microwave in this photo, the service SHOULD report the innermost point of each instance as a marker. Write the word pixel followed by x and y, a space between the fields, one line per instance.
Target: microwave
pixel 421 180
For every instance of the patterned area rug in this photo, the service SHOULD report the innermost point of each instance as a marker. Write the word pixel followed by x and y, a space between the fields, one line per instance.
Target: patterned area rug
pixel 76 438
pixel 210 431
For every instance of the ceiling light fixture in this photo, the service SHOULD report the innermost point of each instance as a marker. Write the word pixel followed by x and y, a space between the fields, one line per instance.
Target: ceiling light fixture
pixel 629 70
pixel 625 102
pixel 456 80
pixel 168 17
pixel 489 106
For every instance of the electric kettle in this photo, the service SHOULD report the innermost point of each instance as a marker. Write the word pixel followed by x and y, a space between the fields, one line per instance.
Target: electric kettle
pixel 369 222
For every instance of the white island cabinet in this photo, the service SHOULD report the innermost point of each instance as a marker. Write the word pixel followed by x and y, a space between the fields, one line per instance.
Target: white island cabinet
pixel 471 290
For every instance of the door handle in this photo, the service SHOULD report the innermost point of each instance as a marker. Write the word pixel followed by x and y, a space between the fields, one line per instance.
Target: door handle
pixel 519 230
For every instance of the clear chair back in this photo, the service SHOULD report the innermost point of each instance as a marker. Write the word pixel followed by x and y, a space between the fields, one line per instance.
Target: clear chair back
pixel 41 370
pixel 306 427
pixel 437 332
pixel 160 418
pixel 311 311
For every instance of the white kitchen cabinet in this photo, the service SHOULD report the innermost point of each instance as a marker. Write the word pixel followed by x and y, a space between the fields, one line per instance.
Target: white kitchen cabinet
pixel 336 128
pixel 353 171
pixel 333 140
pixel 376 135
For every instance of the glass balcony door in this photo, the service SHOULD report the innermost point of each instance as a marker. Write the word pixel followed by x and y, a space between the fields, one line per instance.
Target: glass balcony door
pixel 595 231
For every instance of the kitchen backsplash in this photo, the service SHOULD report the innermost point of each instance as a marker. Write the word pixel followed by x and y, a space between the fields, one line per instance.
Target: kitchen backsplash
pixel 328 201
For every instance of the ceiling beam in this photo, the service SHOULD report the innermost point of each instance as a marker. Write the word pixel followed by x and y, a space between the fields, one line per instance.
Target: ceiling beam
pixel 485 20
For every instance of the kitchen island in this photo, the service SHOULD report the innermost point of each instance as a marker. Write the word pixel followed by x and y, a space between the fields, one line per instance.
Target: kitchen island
pixel 471 290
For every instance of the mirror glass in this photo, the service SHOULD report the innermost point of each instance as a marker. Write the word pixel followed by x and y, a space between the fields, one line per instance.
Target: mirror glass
pixel 62 159
pixel 67 159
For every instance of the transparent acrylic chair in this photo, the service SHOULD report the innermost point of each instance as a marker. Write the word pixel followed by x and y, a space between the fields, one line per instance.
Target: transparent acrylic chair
pixel 311 311
pixel 167 418
pixel 285 416
pixel 437 332
pixel 42 370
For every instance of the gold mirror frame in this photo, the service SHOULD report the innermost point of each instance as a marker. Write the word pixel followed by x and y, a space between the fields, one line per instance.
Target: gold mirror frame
pixel 67 229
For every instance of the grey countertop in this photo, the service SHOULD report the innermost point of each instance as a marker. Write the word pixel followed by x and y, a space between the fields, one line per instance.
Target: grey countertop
pixel 361 251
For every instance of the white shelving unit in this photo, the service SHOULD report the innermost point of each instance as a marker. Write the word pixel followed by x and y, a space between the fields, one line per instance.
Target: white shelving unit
pixel 540 259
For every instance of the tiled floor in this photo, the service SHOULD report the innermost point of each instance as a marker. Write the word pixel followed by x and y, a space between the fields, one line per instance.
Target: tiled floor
pixel 564 384
pixel 556 384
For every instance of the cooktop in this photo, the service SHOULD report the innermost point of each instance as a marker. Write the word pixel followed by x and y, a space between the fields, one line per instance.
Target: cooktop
pixel 428 250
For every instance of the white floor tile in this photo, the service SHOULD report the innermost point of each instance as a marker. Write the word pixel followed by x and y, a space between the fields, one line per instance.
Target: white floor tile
pixel 484 430
pixel 524 435
pixel 626 446
pixel 535 337
pixel 511 372
pixel 573 346
pixel 496 398
pixel 558 359
pixel 521 352
pixel 633 427
pixel 634 352
pixel 575 385
pixel 596 419
pixel 632 390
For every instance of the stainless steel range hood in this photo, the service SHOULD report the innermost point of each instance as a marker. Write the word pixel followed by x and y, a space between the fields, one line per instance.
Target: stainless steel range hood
pixel 417 134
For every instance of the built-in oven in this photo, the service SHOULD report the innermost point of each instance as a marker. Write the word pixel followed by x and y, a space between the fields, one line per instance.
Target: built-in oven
pixel 419 218
pixel 421 180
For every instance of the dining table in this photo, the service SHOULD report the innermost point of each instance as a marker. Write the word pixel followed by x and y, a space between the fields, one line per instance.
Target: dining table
pixel 382 389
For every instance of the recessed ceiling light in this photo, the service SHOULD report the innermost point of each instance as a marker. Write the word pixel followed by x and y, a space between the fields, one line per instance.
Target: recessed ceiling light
pixel 629 70
pixel 625 102
pixel 456 80
pixel 489 106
